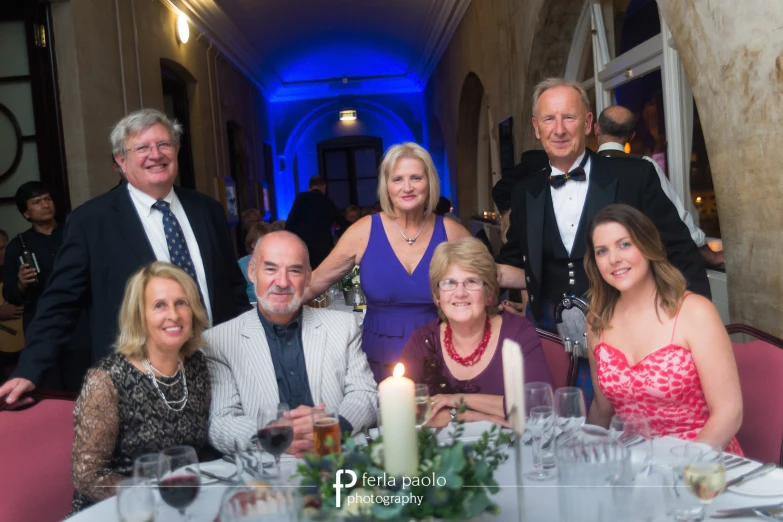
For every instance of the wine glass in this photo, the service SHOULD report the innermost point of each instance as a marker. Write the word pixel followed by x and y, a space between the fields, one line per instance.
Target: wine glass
pixel 146 467
pixel 705 475
pixel 635 433
pixel 683 506
pixel 540 394
pixel 135 501
pixel 275 430
pixel 423 405
pixel 541 424
pixel 570 409
pixel 179 477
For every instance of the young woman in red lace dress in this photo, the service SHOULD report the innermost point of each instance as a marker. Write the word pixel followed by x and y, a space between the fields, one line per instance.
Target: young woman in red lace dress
pixel 656 350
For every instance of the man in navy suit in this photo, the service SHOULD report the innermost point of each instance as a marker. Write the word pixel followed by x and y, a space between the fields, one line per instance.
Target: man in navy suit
pixel 110 237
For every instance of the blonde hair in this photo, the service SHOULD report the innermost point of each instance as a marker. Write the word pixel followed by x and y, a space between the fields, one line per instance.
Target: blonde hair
pixel 669 282
pixel 390 159
pixel 551 83
pixel 132 338
pixel 469 254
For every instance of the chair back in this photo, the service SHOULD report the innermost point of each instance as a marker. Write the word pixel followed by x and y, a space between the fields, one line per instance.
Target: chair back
pixel 760 368
pixel 35 450
pixel 562 365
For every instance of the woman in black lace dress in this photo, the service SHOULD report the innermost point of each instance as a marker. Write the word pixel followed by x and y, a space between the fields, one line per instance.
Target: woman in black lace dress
pixel 152 393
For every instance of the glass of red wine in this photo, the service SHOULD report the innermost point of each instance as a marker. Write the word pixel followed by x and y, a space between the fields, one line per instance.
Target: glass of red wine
pixel 275 431
pixel 179 478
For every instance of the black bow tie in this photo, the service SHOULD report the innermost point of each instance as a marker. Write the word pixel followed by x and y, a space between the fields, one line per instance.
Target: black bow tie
pixel 577 174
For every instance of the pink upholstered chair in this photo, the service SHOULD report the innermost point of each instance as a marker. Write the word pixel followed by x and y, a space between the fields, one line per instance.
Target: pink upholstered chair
pixel 35 451
pixel 562 365
pixel 760 366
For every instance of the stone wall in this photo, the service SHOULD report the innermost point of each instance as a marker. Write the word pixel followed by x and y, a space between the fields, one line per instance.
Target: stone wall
pixel 733 57
pixel 107 66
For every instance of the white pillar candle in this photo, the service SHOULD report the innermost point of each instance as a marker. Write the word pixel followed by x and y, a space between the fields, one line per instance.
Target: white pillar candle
pixel 398 421
pixel 514 382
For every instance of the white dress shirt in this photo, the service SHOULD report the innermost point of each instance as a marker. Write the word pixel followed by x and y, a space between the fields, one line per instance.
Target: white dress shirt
pixel 152 221
pixel 569 202
pixel 696 233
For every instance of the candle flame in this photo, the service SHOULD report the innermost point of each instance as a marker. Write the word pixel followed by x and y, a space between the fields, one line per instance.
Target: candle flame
pixel 399 370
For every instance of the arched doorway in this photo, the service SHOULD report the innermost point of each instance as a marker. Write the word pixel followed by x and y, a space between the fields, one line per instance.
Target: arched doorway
pixel 469 117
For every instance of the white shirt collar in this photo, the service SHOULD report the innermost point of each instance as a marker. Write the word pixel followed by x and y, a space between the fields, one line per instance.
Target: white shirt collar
pixel 578 160
pixel 611 145
pixel 144 201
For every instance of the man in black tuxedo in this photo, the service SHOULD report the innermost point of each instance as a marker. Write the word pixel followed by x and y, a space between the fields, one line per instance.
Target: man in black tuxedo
pixel 110 237
pixel 548 218
pixel 311 218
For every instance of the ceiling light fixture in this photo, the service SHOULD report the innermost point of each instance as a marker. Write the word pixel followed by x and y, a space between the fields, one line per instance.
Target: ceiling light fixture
pixel 183 29
pixel 348 115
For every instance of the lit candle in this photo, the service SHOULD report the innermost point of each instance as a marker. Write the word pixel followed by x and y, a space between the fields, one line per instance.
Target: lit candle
pixel 514 382
pixel 398 421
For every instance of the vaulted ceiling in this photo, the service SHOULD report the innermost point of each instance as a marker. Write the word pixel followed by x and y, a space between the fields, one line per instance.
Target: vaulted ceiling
pixel 297 49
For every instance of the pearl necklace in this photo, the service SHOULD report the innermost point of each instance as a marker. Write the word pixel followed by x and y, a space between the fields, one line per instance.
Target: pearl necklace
pixel 178 405
pixel 410 240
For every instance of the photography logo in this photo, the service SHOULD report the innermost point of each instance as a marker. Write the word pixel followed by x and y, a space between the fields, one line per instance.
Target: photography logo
pixel 339 485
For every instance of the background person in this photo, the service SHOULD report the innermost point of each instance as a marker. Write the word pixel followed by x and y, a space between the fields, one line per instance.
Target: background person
pixel 656 351
pixel 255 233
pixel 153 393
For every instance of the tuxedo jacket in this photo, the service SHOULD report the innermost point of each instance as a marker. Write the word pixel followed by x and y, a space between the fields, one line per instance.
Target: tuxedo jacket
pixel 626 180
pixel 104 244
pixel 311 218
pixel 243 376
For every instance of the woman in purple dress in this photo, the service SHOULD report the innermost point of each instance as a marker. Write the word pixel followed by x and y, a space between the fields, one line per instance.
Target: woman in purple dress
pixel 459 355
pixel 394 249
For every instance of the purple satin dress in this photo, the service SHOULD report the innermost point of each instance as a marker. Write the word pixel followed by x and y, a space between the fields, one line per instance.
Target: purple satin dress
pixel 397 302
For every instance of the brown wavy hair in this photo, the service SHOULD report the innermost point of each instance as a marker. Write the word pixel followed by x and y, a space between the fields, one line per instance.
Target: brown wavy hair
pixel 669 282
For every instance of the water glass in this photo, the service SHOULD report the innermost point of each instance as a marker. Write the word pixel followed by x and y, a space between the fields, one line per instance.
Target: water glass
pixel 635 433
pixel 570 409
pixel 541 425
pixel 275 430
pixel 540 394
pixel 683 507
pixel 135 501
pixel 423 405
pixel 326 430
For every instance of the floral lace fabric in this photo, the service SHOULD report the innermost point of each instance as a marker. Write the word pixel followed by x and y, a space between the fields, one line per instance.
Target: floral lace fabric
pixel 120 415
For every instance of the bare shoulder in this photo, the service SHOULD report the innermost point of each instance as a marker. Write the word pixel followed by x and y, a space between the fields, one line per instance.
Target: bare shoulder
pixel 454 230
pixel 698 308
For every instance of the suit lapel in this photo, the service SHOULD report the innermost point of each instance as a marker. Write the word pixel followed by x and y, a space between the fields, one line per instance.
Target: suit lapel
pixel 255 350
pixel 129 226
pixel 198 222
pixel 314 346
pixel 601 193
pixel 534 204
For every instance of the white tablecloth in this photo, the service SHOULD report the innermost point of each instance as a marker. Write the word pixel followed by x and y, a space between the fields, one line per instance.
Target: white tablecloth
pixel 541 499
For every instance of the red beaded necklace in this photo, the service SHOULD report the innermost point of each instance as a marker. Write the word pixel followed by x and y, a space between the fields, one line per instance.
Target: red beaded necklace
pixel 474 357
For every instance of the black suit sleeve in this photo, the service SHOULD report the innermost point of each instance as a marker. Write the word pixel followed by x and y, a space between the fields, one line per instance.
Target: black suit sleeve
pixel 512 251
pixel 60 306
pixel 501 193
pixel 680 248
pixel 11 291
pixel 238 281
pixel 337 217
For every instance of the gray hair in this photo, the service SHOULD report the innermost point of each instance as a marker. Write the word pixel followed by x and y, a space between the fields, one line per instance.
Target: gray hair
pixel 139 121
pixel 551 83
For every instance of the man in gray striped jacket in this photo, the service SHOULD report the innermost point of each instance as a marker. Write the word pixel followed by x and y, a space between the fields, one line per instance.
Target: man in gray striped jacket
pixel 285 352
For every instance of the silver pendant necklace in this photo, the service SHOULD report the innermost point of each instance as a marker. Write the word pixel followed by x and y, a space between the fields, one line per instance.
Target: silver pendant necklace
pixel 410 240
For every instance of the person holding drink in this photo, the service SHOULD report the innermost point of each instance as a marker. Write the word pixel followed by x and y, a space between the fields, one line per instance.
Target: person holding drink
pixel 283 352
pixel 152 393
pixel 458 357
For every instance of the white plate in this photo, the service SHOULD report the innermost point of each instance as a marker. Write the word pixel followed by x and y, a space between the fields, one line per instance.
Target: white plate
pixel 770 485
pixel 221 468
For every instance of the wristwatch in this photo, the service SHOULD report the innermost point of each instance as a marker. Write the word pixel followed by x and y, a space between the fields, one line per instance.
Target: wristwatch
pixel 453 413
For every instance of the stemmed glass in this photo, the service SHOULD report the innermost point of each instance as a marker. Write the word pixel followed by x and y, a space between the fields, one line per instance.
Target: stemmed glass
pixel 705 475
pixel 179 477
pixel 135 501
pixel 275 430
pixel 541 422
pixel 423 405
pixel 146 467
pixel 684 507
pixel 570 410
pixel 635 433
